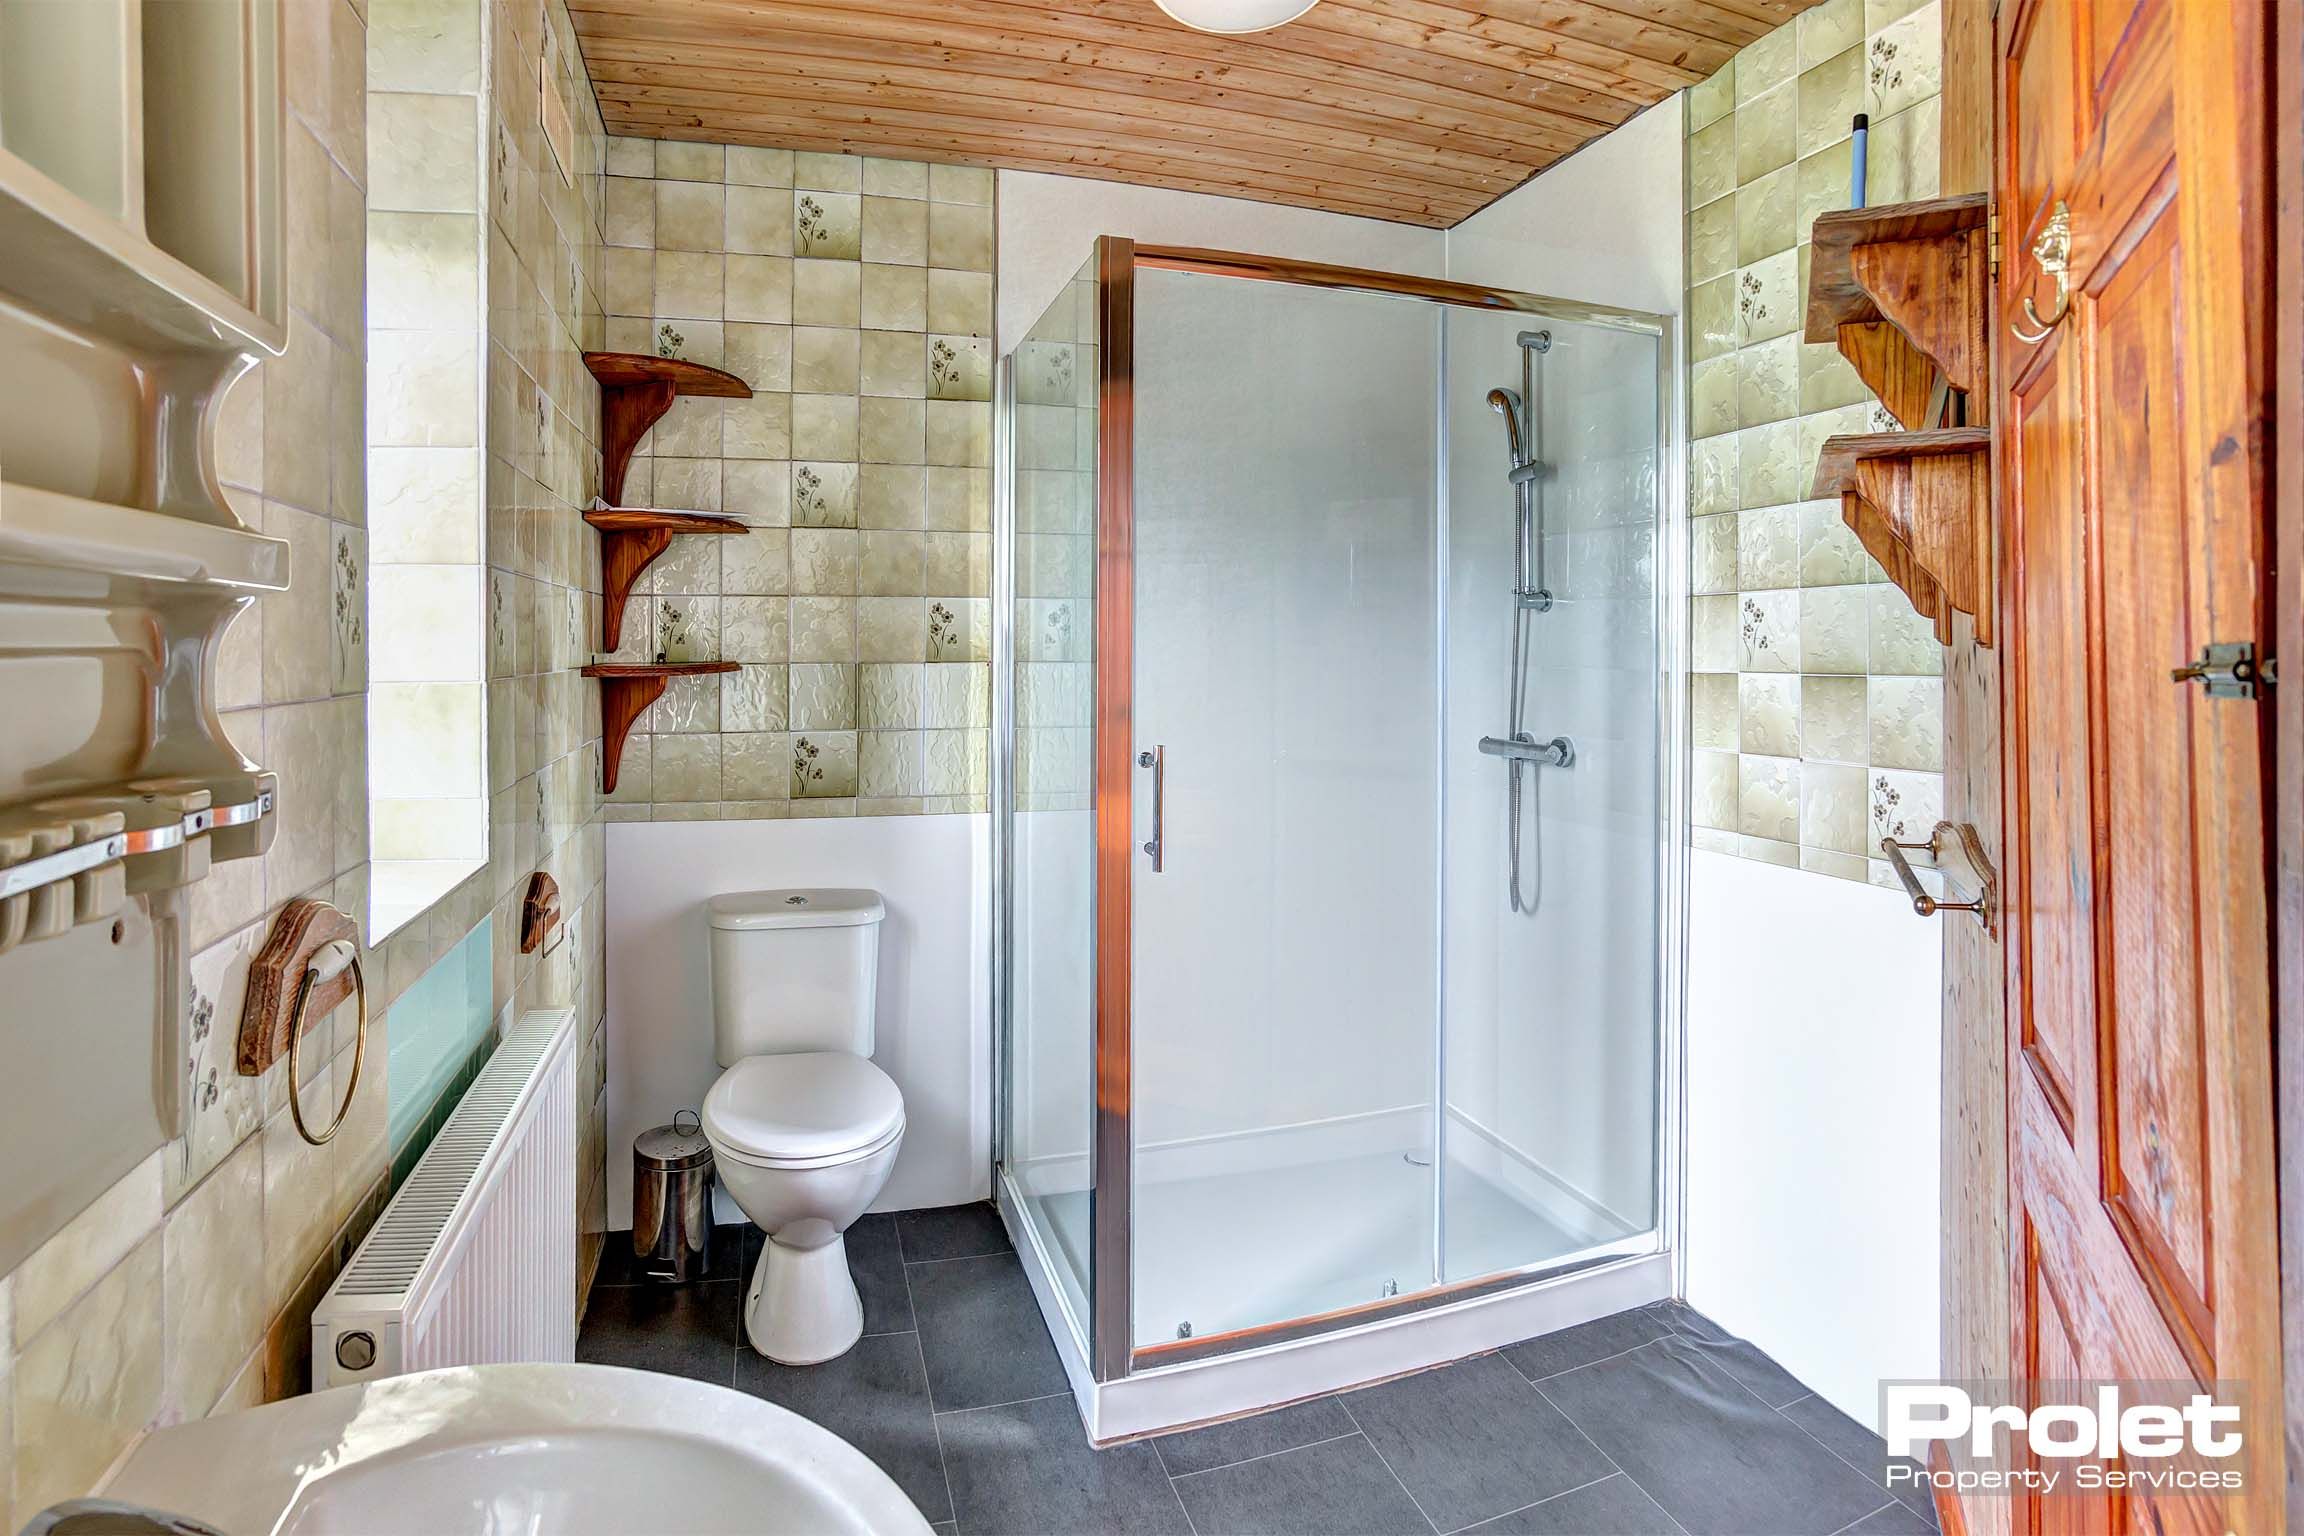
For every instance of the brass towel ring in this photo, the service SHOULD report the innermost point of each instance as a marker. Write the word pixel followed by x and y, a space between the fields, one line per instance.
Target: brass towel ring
pixel 2053 251
pixel 296 1036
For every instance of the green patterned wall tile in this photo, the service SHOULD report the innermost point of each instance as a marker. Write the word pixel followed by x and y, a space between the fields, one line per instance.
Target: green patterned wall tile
pixel 1711 100
pixel 1820 184
pixel 1766 132
pixel 1712 240
pixel 1831 94
pixel 1764 215
pixel 1712 162
pixel 1828 28
pixel 1768 383
pixel 1766 63
pixel 1712 318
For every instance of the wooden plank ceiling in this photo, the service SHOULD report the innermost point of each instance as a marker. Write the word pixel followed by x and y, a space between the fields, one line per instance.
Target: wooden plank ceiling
pixel 1413 110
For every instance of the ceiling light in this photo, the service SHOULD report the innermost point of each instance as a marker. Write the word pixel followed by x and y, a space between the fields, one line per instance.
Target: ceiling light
pixel 1235 16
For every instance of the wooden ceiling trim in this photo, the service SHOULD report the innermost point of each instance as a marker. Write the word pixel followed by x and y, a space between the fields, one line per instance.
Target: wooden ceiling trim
pixel 1104 165
pixel 1363 90
pixel 1421 111
pixel 803 80
pixel 1043 124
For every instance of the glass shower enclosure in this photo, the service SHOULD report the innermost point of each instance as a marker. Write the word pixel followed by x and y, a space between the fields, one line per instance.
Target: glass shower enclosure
pixel 1335 829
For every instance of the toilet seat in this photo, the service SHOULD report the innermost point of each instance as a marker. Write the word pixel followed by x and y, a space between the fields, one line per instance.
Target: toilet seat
pixel 810 1109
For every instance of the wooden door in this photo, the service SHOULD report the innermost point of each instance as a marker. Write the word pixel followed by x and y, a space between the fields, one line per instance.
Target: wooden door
pixel 2141 1236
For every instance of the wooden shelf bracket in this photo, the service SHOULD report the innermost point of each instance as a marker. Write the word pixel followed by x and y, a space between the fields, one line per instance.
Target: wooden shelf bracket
pixel 1904 290
pixel 625 693
pixel 1921 502
pixel 635 392
pixel 632 537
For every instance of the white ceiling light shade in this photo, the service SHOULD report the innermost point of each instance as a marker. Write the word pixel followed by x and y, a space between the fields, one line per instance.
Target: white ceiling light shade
pixel 1235 16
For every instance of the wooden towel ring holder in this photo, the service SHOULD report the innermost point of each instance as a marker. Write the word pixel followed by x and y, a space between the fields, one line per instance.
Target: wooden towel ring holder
pixel 278 1011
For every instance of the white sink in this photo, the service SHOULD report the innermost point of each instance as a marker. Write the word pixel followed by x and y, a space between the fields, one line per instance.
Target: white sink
pixel 539 1450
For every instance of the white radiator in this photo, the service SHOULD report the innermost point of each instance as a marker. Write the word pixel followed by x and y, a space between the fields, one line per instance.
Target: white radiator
pixel 474 1261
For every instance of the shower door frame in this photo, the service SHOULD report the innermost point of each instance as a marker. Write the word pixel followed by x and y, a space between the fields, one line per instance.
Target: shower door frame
pixel 1111 1353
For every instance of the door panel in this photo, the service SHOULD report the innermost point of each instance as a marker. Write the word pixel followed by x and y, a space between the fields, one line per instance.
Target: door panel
pixel 2154 1139
pixel 2050 678
pixel 2056 1357
pixel 2040 69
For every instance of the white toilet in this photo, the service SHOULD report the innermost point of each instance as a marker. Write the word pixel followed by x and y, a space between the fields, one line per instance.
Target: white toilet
pixel 804 1128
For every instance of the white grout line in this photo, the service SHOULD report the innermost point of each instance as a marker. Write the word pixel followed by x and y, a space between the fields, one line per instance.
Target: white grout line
pixel 1177 1494
pixel 1868 1514
pixel 1351 1434
pixel 1548 1498
pixel 1600 1360
pixel 959 1258
pixel 927 1388
pixel 1011 1403
pixel 1387 1462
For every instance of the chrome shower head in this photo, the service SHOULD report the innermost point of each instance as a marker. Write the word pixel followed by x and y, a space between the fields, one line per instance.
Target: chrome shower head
pixel 1506 403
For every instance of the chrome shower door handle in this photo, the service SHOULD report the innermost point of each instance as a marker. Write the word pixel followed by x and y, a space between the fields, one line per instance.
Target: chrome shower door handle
pixel 1156 759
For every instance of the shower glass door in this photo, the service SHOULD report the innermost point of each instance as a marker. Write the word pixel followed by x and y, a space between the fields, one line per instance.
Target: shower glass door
pixel 1306 1016
pixel 1285 933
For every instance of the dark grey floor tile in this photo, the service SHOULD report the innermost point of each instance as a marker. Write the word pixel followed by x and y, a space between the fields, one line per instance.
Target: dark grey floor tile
pixel 1551 1353
pixel 1283 1429
pixel 1614 1506
pixel 982 1333
pixel 1893 1519
pixel 1745 1361
pixel 1473 1440
pixel 876 1260
pixel 1863 1450
pixel 1750 1366
pixel 875 1397
pixel 945 1528
pixel 1027 1469
pixel 1720 1461
pixel 1335 1488
pixel 681 1330
pixel 619 1267
pixel 952 1232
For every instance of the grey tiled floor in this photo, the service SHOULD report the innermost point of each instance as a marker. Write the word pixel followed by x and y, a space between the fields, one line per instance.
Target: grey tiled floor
pixel 1651 1421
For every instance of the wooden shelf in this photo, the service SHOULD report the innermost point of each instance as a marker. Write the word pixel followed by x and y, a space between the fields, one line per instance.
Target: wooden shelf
pixel 1921 502
pixel 631 538
pixel 619 370
pixel 636 390
pixel 615 671
pixel 628 689
pixel 1904 290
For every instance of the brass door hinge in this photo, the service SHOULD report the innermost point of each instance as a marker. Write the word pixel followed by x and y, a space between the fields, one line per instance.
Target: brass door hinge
pixel 1992 223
